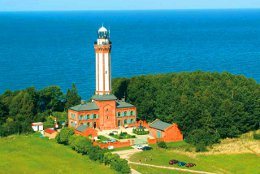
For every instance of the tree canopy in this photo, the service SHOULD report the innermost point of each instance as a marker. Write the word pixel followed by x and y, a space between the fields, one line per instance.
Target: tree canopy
pixel 18 109
pixel 217 105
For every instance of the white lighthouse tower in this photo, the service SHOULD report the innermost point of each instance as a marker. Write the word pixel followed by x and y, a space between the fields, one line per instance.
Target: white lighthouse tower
pixel 103 62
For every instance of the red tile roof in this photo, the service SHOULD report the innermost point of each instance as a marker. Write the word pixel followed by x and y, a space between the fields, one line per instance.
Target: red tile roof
pixel 49 131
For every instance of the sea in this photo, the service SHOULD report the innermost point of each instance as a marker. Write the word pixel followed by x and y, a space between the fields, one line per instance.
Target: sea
pixel 56 48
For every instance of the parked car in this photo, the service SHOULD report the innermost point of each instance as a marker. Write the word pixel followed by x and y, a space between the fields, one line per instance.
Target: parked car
pixel 173 161
pixel 190 165
pixel 138 146
pixel 110 147
pixel 181 164
pixel 146 148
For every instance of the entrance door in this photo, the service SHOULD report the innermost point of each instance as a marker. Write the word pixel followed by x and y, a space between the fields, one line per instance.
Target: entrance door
pixel 118 123
pixel 159 134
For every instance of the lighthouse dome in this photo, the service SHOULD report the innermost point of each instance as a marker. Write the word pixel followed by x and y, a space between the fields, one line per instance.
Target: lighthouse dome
pixel 103 33
pixel 102 29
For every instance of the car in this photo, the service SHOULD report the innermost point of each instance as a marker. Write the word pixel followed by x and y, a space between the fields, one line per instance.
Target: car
pixel 181 164
pixel 146 148
pixel 173 161
pixel 110 147
pixel 190 165
pixel 138 146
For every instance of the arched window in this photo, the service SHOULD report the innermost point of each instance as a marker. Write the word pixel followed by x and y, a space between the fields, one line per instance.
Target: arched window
pixel 125 121
pixel 88 124
pixel 131 121
pixel 118 114
pixel 131 113
pixel 80 117
pixel 88 116
pixel 125 113
pixel 94 116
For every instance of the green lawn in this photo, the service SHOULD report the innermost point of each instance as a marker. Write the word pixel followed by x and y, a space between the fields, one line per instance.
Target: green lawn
pixel 153 170
pixel 221 163
pixel 31 154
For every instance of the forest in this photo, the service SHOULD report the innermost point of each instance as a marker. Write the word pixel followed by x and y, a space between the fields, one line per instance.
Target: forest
pixel 19 109
pixel 206 106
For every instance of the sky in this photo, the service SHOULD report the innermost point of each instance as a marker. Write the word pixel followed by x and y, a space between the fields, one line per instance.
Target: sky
pixel 61 5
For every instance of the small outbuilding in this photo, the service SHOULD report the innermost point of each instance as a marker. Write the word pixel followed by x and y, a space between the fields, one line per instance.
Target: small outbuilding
pixel 37 127
pixel 50 132
pixel 166 132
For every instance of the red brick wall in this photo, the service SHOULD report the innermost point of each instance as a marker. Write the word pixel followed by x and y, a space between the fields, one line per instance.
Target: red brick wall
pixel 107 114
pixel 171 134
pixel 115 144
pixel 87 132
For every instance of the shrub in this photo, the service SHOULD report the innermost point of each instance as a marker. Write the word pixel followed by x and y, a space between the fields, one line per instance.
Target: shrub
pixel 256 136
pixel 111 134
pixel 162 144
pixel 80 144
pixel 201 148
pixel 140 131
pixel 120 165
pixel 64 135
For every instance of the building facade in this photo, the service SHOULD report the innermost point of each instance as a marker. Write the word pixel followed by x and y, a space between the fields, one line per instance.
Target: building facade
pixel 105 111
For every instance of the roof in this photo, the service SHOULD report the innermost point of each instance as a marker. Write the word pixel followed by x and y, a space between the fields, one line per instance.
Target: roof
pixel 37 124
pixel 158 124
pixel 49 131
pixel 85 107
pixel 104 97
pixel 122 104
pixel 82 128
pixel 102 29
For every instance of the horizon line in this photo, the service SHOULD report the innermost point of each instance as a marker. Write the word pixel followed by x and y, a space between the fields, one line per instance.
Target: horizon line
pixel 91 10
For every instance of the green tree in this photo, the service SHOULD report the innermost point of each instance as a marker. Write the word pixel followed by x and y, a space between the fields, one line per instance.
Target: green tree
pixel 64 135
pixel 72 97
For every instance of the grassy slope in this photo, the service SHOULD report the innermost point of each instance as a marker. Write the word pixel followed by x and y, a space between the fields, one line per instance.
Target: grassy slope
pixel 31 154
pixel 211 161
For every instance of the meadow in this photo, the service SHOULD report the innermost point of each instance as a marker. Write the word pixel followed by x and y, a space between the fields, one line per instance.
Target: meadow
pixel 32 154
pixel 229 160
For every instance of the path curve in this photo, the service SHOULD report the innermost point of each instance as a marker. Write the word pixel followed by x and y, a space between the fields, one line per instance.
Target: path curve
pixel 170 168
pixel 126 154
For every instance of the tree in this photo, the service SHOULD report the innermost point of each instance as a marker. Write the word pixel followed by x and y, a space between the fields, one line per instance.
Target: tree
pixel 80 144
pixel 64 135
pixel 52 99
pixel 72 97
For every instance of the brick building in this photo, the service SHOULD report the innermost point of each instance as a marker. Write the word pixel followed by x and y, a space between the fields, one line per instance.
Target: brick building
pixel 166 132
pixel 105 111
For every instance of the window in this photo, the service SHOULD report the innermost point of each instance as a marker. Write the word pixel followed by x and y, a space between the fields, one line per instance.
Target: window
pixel 94 116
pixel 88 116
pixel 125 121
pixel 118 114
pixel 131 121
pixel 131 113
pixel 125 113
pixel 80 117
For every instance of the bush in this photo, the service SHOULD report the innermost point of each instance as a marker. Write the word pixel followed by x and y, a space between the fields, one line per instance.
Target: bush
pixel 80 144
pixel 201 148
pixel 140 131
pixel 64 135
pixel 120 165
pixel 256 136
pixel 162 144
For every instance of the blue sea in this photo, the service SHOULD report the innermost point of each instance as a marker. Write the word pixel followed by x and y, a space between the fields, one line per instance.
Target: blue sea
pixel 56 48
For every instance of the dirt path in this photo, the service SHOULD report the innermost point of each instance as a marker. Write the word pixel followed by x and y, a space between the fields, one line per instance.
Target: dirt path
pixel 170 168
pixel 126 154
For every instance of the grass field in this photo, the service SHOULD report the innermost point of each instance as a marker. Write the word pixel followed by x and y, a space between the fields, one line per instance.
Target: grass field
pixel 31 154
pixel 247 161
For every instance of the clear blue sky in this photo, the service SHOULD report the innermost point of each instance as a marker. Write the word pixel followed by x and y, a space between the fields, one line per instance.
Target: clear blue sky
pixel 39 5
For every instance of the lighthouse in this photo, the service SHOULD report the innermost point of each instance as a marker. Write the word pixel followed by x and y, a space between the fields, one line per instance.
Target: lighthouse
pixel 103 62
